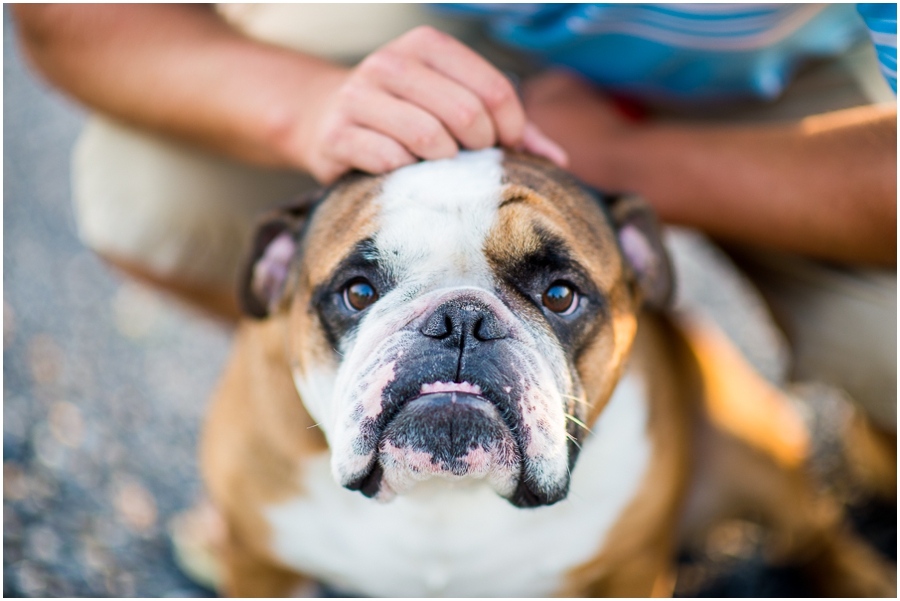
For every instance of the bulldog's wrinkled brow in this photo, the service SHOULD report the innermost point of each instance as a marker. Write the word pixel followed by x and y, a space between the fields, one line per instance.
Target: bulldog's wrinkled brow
pixel 550 259
pixel 363 254
pixel 516 197
pixel 550 255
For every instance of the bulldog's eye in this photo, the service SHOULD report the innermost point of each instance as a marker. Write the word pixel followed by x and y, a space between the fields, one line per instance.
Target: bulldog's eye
pixel 560 298
pixel 359 294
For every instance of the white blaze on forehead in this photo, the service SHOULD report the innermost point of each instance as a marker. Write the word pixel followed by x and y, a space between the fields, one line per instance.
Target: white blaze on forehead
pixel 434 216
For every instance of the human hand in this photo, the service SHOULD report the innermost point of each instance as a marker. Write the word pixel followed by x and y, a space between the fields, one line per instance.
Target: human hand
pixel 588 125
pixel 421 96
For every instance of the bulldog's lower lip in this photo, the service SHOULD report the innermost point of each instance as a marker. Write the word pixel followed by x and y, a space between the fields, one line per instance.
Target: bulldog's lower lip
pixel 525 493
pixel 465 408
pixel 368 483
pixel 447 434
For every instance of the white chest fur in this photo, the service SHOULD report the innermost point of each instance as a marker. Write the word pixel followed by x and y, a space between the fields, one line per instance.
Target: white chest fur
pixel 455 540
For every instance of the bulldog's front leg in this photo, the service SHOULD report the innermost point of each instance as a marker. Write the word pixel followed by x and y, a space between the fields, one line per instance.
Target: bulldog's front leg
pixel 247 574
pixel 255 440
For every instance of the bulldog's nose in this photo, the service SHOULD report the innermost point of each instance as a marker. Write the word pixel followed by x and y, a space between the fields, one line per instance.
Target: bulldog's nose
pixel 462 321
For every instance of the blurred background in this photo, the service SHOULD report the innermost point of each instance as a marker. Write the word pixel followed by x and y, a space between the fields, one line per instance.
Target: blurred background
pixel 105 383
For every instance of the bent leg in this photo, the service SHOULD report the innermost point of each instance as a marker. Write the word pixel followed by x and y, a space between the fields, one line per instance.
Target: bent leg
pixel 841 324
pixel 171 215
pixel 751 452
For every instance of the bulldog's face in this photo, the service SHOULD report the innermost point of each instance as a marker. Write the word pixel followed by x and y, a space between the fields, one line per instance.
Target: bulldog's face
pixel 464 318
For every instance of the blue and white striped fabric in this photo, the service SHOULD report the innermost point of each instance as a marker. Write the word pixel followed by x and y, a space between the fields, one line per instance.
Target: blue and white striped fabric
pixel 689 51
pixel 881 19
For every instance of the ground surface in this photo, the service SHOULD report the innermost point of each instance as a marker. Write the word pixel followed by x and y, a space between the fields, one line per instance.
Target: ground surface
pixel 105 384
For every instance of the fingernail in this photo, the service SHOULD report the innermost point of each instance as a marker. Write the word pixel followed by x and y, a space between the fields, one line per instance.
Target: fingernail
pixel 536 142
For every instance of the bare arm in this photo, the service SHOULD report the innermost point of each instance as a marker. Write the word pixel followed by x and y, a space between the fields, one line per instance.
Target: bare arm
pixel 180 70
pixel 176 69
pixel 825 186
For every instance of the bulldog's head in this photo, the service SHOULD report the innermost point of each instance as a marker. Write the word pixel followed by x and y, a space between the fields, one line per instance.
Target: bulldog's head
pixel 462 318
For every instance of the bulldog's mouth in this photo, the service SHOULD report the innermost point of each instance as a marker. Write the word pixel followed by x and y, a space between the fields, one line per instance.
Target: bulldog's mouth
pixel 449 430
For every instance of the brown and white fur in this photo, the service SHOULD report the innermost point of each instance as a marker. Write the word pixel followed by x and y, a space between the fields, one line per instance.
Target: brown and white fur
pixel 508 450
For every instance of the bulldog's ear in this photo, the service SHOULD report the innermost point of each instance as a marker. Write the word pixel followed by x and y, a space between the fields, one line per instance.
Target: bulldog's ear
pixel 640 239
pixel 262 281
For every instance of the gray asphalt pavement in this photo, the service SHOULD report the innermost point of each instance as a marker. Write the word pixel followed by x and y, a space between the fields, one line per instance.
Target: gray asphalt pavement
pixel 104 382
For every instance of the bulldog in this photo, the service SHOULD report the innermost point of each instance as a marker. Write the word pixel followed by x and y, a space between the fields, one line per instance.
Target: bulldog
pixel 453 380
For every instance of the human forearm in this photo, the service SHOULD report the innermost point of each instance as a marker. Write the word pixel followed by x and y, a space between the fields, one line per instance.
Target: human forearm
pixel 178 70
pixel 824 187
pixel 181 71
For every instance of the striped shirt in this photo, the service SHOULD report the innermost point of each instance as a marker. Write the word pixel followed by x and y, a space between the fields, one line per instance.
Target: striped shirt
pixel 690 51
pixel 881 20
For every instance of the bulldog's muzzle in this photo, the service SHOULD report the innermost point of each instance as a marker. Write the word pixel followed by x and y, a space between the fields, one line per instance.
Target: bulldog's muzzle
pixel 453 409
